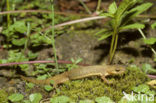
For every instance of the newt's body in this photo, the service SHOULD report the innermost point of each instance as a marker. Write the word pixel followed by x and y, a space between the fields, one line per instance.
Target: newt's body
pixel 81 72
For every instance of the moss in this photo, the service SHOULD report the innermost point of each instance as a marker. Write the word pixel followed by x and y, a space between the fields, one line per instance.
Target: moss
pixel 3 96
pixel 90 88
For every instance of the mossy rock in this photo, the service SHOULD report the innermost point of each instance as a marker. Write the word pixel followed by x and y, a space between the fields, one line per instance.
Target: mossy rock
pixel 91 88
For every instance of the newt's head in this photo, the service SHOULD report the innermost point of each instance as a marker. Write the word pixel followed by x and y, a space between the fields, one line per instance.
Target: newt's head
pixel 152 84
pixel 116 70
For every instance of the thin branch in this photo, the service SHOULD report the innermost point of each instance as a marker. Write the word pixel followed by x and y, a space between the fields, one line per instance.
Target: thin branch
pixel 40 61
pixel 72 22
pixel 152 76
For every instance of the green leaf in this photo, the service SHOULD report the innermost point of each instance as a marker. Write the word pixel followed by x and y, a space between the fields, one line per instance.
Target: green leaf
pixel 48 88
pixel 105 35
pixel 112 8
pixel 52 82
pixel 19 42
pixel 20 26
pixel 35 98
pixel 16 97
pixel 103 99
pixel 3 61
pixel 150 41
pixel 122 9
pixel 147 68
pixel 136 11
pixel 139 9
pixel 141 88
pixel 153 26
pixel 60 99
pixel 78 60
pixel 124 6
pixel 32 55
pixel 133 26
pixel 30 85
pixel 102 31
pixel 107 15
pixel 42 77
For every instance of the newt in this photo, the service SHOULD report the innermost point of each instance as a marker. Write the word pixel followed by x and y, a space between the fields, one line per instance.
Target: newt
pixel 81 72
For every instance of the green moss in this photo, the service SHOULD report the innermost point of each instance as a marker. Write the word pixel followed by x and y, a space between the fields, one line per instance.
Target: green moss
pixel 90 88
pixel 3 96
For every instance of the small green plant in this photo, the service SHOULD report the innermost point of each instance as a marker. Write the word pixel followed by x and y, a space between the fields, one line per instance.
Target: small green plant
pixel 35 98
pixel 19 98
pixel 150 41
pixel 53 33
pixel 74 65
pixel 16 97
pixel 148 69
pixel 17 56
pixel 121 20
pixel 48 88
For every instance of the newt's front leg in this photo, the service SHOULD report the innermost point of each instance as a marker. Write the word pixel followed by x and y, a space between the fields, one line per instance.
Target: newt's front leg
pixel 105 79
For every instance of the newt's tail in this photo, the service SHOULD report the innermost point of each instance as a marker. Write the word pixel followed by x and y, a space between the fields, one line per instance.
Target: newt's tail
pixel 33 80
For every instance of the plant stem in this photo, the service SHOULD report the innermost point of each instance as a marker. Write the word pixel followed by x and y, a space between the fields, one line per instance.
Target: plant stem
pixel 53 33
pixel 27 35
pixel 40 61
pixel 113 43
pixel 143 35
pixel 8 15
pixel 24 51
pixel 111 48
pixel 86 8
pixel 98 5
pixel 115 46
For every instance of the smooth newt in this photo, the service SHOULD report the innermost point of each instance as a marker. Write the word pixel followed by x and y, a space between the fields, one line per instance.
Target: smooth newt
pixel 81 72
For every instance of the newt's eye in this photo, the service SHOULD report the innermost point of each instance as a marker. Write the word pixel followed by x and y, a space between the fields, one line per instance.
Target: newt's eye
pixel 117 70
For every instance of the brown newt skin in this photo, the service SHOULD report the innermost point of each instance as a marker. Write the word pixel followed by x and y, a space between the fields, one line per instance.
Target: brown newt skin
pixel 81 72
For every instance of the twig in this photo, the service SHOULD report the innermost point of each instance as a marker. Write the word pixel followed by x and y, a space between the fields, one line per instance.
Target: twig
pixel 72 22
pixel 152 76
pixel 40 61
